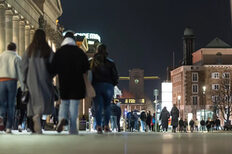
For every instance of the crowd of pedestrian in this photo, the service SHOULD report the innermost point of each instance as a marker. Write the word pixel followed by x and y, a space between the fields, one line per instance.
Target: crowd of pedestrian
pixel 37 94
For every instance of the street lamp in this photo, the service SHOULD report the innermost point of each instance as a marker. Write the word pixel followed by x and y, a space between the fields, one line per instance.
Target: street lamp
pixel 179 97
pixel 204 90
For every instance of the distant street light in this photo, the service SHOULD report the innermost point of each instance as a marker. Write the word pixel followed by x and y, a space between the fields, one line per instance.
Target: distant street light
pixel 203 91
pixel 179 97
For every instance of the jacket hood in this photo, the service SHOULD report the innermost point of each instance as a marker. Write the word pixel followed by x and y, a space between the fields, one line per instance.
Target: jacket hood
pixel 68 41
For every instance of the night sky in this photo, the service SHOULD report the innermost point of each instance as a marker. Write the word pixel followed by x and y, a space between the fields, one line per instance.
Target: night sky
pixel 144 34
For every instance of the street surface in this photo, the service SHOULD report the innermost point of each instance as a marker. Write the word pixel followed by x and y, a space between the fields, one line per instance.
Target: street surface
pixel 116 143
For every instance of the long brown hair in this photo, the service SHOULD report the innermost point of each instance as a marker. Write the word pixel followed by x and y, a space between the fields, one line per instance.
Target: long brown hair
pixel 100 57
pixel 39 45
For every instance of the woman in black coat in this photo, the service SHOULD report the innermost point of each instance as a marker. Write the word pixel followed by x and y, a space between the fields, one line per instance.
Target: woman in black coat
pixel 164 116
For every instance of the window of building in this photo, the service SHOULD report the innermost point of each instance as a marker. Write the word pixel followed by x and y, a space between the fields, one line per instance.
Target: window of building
pixel 227 86
pixel 215 86
pixel 195 100
pixel 194 88
pixel 215 75
pixel 194 77
pixel 215 99
pixel 226 75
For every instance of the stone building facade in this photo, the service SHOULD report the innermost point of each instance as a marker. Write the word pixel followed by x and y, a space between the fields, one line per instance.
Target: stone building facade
pixel 210 66
pixel 20 18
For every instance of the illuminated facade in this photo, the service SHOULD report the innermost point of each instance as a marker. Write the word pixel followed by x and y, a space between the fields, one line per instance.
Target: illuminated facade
pixel 19 24
pixel 210 65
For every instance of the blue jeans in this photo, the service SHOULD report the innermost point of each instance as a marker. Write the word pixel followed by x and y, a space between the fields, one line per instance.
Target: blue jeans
pixel 69 111
pixel 8 90
pixel 143 125
pixel 113 120
pixel 104 95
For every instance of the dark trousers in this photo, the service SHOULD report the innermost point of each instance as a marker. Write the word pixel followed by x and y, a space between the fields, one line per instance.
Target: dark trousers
pixel 118 123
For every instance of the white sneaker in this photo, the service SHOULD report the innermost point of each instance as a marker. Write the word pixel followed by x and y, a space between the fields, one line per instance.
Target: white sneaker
pixel 19 128
pixel 8 131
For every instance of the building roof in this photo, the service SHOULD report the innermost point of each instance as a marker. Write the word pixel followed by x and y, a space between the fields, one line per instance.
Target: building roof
pixel 218 43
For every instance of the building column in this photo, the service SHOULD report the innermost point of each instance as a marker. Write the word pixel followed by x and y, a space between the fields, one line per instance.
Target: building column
pixel 21 37
pixel 16 30
pixel 32 32
pixel 8 27
pixel 2 27
pixel 27 36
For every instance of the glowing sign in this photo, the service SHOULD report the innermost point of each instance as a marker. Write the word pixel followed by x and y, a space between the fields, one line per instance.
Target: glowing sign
pixel 132 101
pixel 90 36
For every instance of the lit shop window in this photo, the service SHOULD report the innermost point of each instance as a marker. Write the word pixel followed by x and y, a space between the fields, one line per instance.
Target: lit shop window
pixel 194 88
pixel 215 86
pixel 215 75
pixel 194 77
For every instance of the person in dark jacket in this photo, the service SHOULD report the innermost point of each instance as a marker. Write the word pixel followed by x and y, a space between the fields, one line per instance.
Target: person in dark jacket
pixel 71 64
pixel 217 123
pixel 164 116
pixel 143 118
pixel 208 124
pixel 181 125
pixel 113 117
pixel 192 125
pixel 119 112
pixel 132 121
pixel 105 77
pixel 202 125
pixel 185 125
pixel 148 121
pixel 175 116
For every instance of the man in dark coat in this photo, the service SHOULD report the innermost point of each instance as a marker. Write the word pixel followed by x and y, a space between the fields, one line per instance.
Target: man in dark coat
pixel 217 123
pixel 148 121
pixel 143 118
pixel 113 117
pixel 71 64
pixel 175 116
pixel 164 116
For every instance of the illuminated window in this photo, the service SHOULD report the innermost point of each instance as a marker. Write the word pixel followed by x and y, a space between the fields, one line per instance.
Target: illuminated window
pixel 195 100
pixel 194 88
pixel 226 75
pixel 215 75
pixel 215 86
pixel 194 77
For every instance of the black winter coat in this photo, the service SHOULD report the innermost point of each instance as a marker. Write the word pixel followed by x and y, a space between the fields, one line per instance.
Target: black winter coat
pixel 70 63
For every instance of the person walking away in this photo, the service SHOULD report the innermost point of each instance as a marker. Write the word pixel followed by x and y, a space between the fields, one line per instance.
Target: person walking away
pixel 185 125
pixel 212 123
pixel 71 64
pixel 192 124
pixel 181 125
pixel 21 108
pixel 217 123
pixel 132 121
pixel 164 116
pixel 35 68
pixel 143 118
pixel 148 121
pixel 202 125
pixel 175 116
pixel 113 117
pixel 119 112
pixel 105 77
pixel 10 72
pixel 153 122
pixel 196 124
pixel 208 125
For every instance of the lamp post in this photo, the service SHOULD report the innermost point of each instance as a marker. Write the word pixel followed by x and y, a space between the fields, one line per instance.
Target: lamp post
pixel 179 97
pixel 204 102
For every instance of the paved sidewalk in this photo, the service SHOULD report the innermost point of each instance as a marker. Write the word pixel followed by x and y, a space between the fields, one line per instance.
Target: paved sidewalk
pixel 118 143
